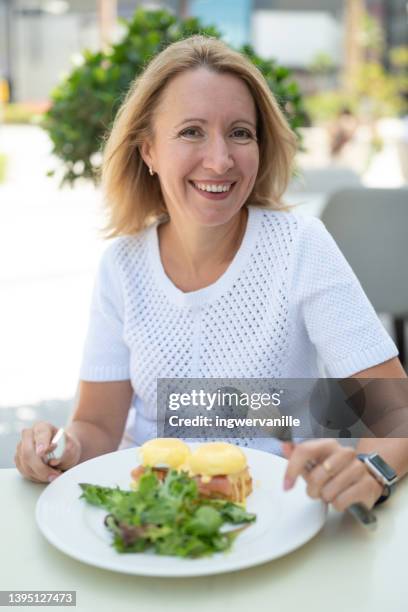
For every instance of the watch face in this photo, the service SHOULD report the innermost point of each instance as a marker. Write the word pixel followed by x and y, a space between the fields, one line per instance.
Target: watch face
pixel 383 467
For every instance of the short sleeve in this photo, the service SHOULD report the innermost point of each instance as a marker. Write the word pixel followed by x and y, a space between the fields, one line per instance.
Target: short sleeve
pixel 339 319
pixel 106 355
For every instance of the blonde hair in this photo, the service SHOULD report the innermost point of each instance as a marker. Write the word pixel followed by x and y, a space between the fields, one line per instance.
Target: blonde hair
pixel 133 197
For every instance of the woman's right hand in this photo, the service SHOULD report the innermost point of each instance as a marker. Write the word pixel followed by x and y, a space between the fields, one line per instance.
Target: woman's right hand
pixel 33 448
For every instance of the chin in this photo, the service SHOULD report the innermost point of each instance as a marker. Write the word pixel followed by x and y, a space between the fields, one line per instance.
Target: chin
pixel 215 214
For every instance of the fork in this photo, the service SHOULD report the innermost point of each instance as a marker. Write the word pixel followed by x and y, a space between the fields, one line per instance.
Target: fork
pixel 363 515
pixel 59 440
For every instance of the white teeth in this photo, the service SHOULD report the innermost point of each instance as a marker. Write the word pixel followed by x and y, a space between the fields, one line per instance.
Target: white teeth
pixel 213 188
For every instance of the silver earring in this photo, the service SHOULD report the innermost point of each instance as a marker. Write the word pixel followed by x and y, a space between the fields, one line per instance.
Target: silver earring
pixel 151 172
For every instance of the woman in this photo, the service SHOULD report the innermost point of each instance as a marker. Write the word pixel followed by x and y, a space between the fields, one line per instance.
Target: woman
pixel 209 276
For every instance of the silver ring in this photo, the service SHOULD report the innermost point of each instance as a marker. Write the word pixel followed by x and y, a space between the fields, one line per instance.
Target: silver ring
pixel 310 465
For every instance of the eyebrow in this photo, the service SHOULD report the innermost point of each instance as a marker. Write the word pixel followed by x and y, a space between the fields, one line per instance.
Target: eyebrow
pixel 205 121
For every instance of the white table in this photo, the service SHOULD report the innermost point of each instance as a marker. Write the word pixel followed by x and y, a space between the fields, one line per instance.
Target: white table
pixel 344 568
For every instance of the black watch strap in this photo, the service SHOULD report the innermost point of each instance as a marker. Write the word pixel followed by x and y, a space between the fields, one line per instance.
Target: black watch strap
pixel 377 466
pixel 384 496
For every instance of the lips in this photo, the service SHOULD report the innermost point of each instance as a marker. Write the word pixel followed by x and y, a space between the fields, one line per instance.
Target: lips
pixel 214 195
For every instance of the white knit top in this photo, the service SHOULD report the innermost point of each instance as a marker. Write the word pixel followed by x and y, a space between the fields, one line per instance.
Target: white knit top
pixel 288 306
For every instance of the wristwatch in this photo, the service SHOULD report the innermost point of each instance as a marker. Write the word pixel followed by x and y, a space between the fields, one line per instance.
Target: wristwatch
pixel 382 472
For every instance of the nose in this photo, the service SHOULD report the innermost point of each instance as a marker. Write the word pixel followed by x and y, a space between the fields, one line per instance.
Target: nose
pixel 217 156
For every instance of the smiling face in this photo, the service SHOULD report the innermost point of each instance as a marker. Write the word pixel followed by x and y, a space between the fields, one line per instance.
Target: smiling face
pixel 204 148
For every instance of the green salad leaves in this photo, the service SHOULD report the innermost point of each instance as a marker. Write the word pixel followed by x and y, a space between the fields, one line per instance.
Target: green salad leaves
pixel 169 517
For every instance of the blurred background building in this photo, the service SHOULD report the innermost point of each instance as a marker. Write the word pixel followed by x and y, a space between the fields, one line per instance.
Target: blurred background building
pixel 39 39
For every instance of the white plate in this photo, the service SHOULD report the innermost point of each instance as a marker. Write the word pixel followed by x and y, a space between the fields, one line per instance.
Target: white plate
pixel 285 520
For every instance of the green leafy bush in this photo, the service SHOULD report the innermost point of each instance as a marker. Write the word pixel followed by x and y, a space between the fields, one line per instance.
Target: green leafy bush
pixel 84 105
pixel 326 106
pixel 376 93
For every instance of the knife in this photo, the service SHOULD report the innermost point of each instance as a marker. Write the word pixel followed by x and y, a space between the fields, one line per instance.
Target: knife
pixel 363 515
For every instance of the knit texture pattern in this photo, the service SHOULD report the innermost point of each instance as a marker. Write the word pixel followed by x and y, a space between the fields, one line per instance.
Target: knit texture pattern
pixel 289 306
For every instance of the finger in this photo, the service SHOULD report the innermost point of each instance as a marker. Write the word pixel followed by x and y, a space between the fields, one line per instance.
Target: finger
pixel 366 492
pixel 324 474
pixel 43 434
pixel 25 471
pixel 315 451
pixel 70 456
pixel 50 475
pixel 30 475
pixel 17 457
pixel 32 465
pixel 287 449
pixel 354 474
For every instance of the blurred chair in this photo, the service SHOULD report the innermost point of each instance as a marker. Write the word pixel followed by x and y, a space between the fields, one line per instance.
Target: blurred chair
pixel 371 228
pixel 325 180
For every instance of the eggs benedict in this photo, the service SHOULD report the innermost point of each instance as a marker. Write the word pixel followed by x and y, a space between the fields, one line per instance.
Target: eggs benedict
pixel 161 454
pixel 221 471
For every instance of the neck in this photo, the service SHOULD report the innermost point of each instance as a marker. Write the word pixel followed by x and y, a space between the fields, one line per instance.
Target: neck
pixel 202 248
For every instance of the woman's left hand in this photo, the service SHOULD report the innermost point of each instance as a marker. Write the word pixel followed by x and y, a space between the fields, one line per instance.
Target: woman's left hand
pixel 338 476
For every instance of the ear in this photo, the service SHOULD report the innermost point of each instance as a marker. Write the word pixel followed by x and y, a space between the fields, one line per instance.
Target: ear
pixel 145 150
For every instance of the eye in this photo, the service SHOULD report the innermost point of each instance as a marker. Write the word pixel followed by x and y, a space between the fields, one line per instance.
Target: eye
pixel 190 132
pixel 243 134
pixel 239 133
